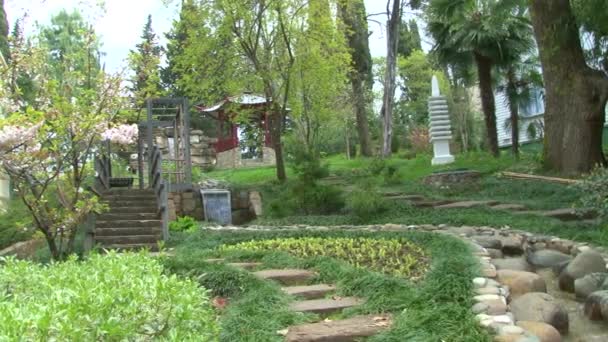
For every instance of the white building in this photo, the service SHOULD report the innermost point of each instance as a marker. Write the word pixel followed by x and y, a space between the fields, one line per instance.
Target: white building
pixel 531 125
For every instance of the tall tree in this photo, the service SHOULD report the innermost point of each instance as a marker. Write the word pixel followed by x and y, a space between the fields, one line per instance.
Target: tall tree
pixel 64 38
pixel 482 30
pixel 145 64
pixel 353 15
pixel 176 38
pixel 4 52
pixel 409 38
pixel 576 94
pixel 388 99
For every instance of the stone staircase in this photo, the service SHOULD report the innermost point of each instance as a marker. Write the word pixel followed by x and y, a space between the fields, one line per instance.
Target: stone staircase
pixel 318 299
pixel 131 223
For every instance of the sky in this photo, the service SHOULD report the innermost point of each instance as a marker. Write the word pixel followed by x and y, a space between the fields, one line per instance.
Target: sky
pixel 120 24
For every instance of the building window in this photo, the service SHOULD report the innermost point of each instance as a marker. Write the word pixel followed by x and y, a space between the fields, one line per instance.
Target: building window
pixel 535 104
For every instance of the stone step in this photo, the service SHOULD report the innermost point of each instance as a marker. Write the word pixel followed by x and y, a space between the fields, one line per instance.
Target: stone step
pixel 114 223
pixel 114 216
pixel 128 192
pixel 127 240
pixel 286 276
pixel 466 204
pixel 152 247
pixel 431 203
pixel 245 265
pixel 310 291
pixel 345 330
pixel 411 198
pixel 130 203
pixel 134 210
pixel 325 306
pixel 128 231
pixel 510 207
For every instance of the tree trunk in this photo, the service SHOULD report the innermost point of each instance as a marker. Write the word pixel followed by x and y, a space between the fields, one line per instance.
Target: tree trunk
pixel 353 15
pixel 276 127
pixel 359 96
pixel 392 42
pixel 514 111
pixel 484 70
pixel 575 94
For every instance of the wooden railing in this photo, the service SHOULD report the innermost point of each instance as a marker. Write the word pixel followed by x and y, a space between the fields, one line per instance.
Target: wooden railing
pixel 103 168
pixel 158 185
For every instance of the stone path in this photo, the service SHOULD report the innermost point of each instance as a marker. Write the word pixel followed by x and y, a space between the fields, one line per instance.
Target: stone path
pixel 420 201
pixel 317 299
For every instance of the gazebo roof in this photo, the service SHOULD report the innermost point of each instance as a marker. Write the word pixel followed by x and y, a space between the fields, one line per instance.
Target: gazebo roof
pixel 245 99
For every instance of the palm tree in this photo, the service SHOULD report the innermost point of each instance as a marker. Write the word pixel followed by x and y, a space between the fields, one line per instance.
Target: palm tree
pixel 488 32
pixel 518 78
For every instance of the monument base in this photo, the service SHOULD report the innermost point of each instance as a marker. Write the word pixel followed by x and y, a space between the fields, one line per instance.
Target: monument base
pixel 441 160
pixel 441 149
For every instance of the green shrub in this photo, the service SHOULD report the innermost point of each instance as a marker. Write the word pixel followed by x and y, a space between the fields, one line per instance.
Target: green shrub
pixel 303 198
pixel 376 167
pixel 115 297
pixel 15 224
pixel 594 192
pixel 184 224
pixel 393 256
pixel 366 204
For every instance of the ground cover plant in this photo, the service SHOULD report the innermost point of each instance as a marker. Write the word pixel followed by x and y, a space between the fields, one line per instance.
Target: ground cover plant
pixel 397 257
pixel 433 308
pixel 113 297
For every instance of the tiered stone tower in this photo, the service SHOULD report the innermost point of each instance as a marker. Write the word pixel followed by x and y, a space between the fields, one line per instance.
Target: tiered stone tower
pixel 441 129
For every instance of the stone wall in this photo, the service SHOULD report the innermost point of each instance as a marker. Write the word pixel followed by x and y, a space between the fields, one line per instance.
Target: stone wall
pixel 187 203
pixel 202 149
pixel 231 159
pixel 245 205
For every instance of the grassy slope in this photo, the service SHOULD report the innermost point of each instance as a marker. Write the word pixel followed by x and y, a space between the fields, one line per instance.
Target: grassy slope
pixel 535 195
pixel 434 309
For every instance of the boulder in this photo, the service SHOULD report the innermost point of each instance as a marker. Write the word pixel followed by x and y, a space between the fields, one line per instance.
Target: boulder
pixel 585 263
pixel 512 245
pixel 495 253
pixel 521 282
pixel 540 307
pixel 547 258
pixel 515 264
pixel 596 306
pixel 588 284
pixel 488 242
pixel 545 332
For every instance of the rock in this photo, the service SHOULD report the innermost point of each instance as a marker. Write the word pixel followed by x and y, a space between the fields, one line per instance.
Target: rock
pixel 547 258
pixel 513 245
pixel 521 282
pixel 545 332
pixel 583 264
pixel 540 307
pixel 588 284
pixel 488 242
pixel 557 269
pixel 596 306
pixel 515 264
pixel 495 253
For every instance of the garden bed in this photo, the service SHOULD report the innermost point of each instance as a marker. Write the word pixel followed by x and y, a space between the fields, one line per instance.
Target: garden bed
pixel 433 307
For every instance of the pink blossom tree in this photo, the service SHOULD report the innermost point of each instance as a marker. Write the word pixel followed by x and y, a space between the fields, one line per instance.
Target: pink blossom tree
pixel 47 149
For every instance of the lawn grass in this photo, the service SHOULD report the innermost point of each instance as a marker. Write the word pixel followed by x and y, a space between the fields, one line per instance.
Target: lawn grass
pixel 435 308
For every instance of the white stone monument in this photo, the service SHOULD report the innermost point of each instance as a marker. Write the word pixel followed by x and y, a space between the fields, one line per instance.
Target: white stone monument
pixel 441 129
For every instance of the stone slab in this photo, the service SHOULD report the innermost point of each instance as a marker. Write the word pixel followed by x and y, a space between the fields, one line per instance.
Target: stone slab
pixel 325 306
pixel 466 204
pixel 345 330
pixel 286 276
pixel 310 291
pixel 510 207
pixel 245 265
